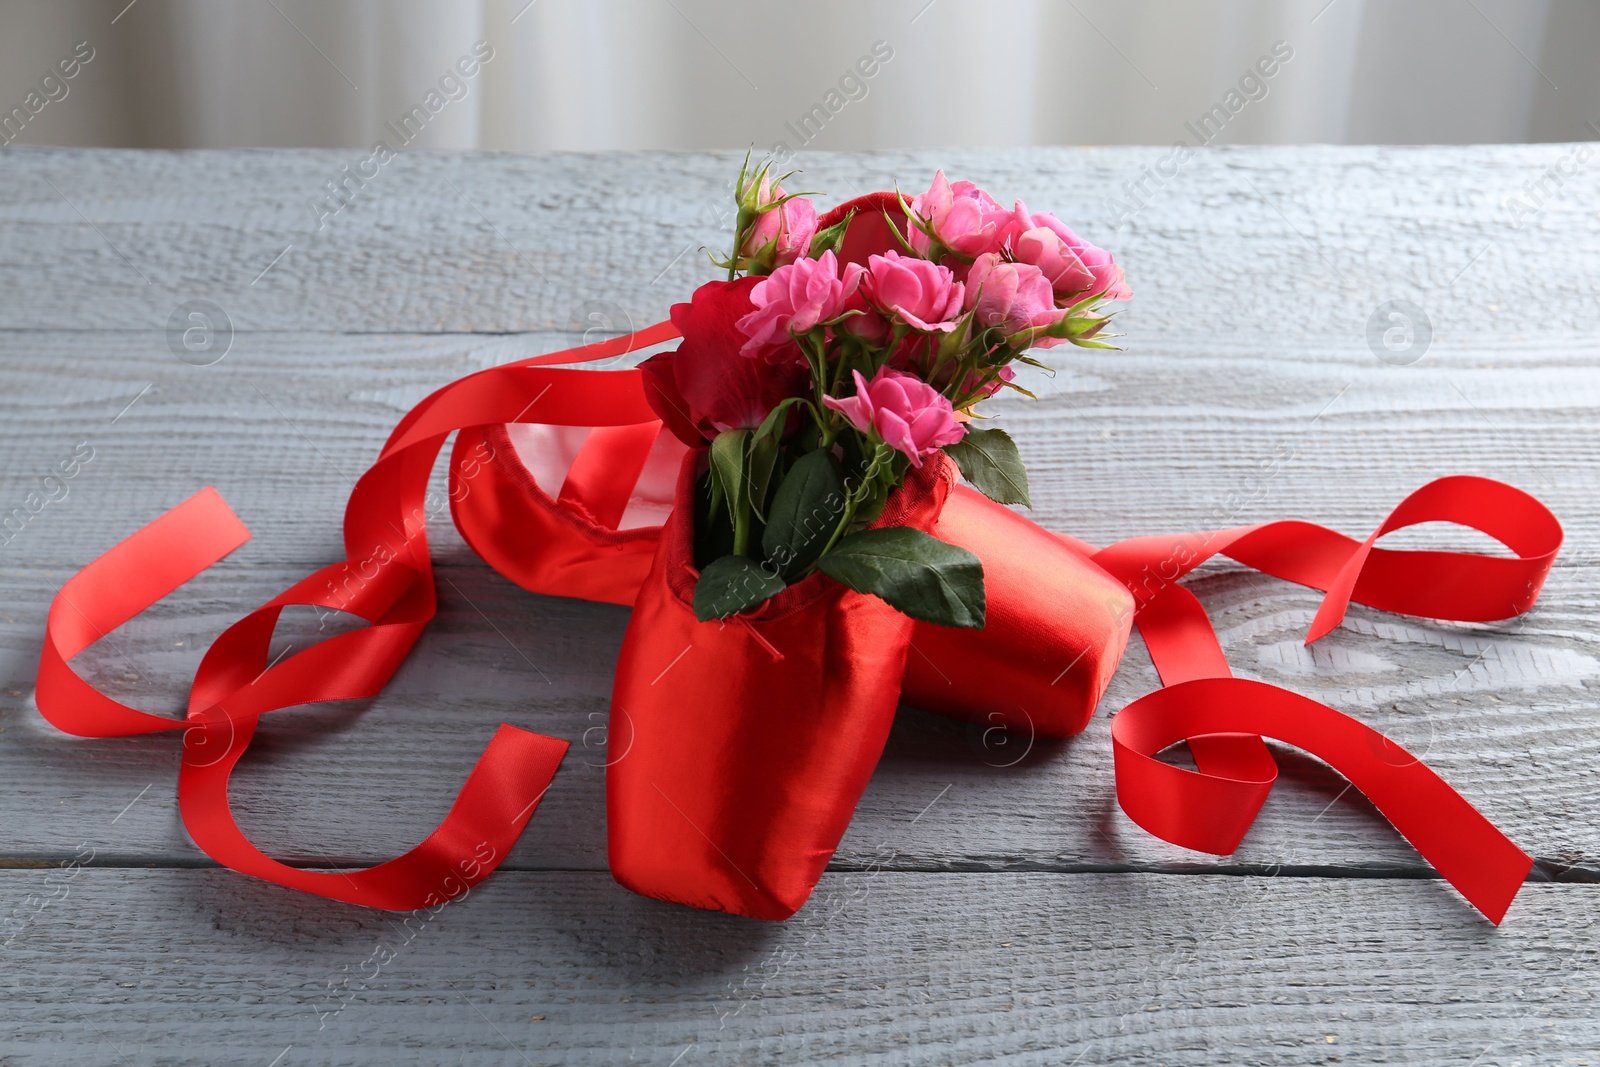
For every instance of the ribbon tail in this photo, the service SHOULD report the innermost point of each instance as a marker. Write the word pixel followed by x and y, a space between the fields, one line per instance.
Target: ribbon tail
pixel 129 577
pixel 498 798
pixel 387 579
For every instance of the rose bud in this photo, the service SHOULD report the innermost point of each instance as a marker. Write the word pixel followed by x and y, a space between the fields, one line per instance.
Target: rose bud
pixel 782 231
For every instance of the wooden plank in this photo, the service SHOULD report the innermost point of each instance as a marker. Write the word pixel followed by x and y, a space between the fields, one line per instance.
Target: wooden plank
pixel 1251 246
pixel 1501 711
pixel 1119 444
pixel 204 967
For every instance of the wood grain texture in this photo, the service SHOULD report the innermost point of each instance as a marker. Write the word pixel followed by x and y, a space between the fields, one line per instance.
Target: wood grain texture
pixel 881 968
pixel 1246 248
pixel 1503 713
pixel 1012 913
pixel 1119 443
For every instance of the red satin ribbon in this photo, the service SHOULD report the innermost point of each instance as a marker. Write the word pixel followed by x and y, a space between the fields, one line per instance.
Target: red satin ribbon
pixel 387 579
pixel 1224 718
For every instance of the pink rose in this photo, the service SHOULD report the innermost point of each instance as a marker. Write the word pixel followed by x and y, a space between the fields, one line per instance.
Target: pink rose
pixel 1049 244
pixel 1044 248
pixel 903 411
pixel 794 299
pixel 962 217
pixel 1012 297
pixel 788 228
pixel 924 295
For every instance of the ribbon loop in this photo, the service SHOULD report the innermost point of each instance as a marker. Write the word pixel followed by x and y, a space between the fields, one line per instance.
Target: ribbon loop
pixel 1206 811
pixel 1463 586
pixel 1459 586
pixel 1223 718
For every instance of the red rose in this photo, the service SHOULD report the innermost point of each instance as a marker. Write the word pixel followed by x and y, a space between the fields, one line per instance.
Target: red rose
pixel 706 386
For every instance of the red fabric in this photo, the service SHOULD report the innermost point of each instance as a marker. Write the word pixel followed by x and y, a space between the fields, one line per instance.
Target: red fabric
pixel 760 799
pixel 1055 629
pixel 1057 623
pixel 1198 809
pixel 522 532
pixel 1224 718
pixel 740 747
pixel 387 580
pixel 1048 606
pixel 869 231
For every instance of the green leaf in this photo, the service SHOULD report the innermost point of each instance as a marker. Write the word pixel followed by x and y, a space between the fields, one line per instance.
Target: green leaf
pixel 805 509
pixel 764 449
pixel 918 575
pixel 728 472
pixel 990 461
pixel 714 494
pixel 772 425
pixel 732 584
pixel 727 459
pixel 763 457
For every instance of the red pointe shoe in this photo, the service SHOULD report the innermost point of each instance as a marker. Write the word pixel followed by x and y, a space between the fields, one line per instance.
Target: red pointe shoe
pixel 1055 627
pixel 740 747
pixel 525 498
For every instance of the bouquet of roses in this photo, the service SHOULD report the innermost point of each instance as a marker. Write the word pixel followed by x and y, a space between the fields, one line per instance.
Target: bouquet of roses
pixel 826 391
pixel 819 383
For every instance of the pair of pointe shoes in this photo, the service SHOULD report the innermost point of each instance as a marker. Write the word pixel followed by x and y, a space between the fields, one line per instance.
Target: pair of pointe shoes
pixel 739 748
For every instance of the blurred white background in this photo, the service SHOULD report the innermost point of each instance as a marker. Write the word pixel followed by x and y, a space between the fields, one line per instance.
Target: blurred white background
pixel 694 74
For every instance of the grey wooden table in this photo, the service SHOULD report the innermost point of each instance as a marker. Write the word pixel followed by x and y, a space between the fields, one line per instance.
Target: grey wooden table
pixel 990 902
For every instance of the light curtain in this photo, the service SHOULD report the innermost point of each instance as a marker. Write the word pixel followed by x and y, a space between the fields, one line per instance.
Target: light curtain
pixel 694 74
